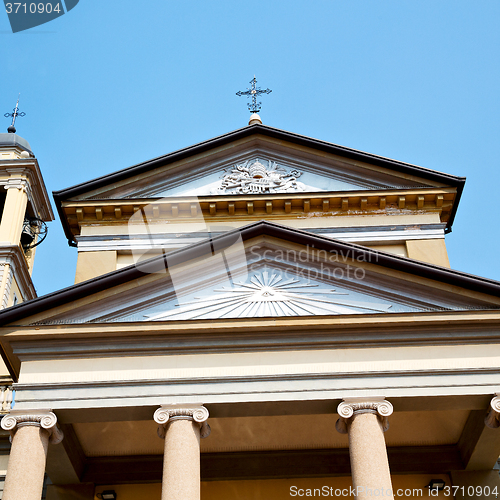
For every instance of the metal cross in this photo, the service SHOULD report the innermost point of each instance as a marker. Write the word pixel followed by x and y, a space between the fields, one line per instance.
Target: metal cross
pixel 254 106
pixel 14 115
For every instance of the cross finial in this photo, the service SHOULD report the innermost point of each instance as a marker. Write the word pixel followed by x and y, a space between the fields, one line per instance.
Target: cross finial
pixel 253 92
pixel 14 115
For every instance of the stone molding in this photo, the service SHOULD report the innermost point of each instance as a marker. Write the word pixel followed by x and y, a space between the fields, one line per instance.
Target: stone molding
pixel 42 418
pixel 349 408
pixel 169 413
pixel 492 419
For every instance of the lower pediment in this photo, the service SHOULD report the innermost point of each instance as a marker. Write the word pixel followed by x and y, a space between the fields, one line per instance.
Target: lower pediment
pixel 263 278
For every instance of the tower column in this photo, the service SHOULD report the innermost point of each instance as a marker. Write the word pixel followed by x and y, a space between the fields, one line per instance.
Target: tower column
pixel 181 426
pixel 365 422
pixel 14 211
pixel 30 432
pixel 5 283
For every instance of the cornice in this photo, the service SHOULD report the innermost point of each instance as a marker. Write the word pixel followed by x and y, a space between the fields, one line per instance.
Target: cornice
pixel 28 167
pixel 248 208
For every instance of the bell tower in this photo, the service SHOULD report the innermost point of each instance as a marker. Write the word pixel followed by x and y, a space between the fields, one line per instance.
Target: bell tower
pixel 24 210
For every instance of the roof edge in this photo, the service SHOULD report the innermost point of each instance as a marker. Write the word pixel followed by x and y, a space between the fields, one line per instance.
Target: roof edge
pixel 267 131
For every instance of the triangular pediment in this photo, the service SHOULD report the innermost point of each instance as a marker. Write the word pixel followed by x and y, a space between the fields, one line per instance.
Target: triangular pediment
pixel 254 172
pixel 263 271
pixel 257 160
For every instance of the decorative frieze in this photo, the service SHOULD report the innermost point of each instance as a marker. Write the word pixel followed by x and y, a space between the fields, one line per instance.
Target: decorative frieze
pixel 168 413
pixel 43 418
pixel 492 420
pixel 349 408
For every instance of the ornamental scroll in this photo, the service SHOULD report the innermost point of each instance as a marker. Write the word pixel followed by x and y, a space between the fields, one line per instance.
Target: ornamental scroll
pixel 253 177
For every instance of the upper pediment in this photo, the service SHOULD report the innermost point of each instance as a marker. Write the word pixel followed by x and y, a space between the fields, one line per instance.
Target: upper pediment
pixel 254 171
pixel 258 160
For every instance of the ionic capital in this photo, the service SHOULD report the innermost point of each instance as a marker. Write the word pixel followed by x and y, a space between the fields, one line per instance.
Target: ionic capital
pixel 492 420
pixel 352 407
pixel 39 418
pixel 169 413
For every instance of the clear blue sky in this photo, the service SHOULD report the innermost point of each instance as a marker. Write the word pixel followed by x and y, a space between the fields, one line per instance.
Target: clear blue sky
pixel 113 83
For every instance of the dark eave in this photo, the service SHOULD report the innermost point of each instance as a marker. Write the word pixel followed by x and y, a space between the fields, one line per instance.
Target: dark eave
pixel 394 165
pixel 383 259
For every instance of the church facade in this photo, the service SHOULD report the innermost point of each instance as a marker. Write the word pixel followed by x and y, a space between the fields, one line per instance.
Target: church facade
pixel 261 315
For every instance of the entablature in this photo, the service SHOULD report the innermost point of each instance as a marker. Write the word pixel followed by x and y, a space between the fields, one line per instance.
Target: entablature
pixel 222 368
pixel 249 208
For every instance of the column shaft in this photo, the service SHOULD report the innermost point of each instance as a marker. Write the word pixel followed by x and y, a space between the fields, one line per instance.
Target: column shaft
pixel 181 426
pixel 181 465
pixel 14 211
pixel 368 454
pixel 26 467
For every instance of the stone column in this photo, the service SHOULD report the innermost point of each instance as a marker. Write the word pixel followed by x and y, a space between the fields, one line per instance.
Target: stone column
pixel 30 432
pixel 181 426
pixel 365 422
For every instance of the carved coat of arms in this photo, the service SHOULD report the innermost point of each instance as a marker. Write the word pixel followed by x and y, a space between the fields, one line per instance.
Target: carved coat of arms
pixel 252 177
